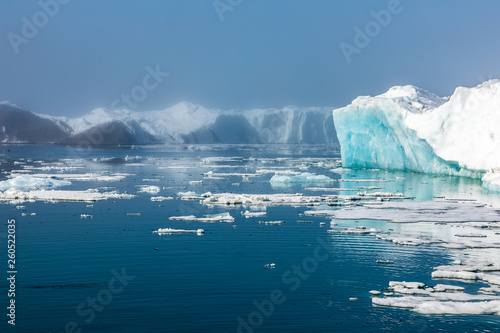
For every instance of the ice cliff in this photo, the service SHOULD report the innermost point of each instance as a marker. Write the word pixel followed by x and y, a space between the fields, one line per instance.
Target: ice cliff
pixel 408 128
pixel 181 123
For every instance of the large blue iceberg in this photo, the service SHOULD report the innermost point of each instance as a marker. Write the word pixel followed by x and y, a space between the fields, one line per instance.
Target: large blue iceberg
pixel 408 128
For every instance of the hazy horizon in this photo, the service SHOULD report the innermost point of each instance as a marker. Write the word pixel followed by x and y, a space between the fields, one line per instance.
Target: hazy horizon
pixel 66 58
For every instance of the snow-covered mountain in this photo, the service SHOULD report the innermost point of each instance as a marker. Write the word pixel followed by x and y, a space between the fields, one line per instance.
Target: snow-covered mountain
pixel 188 123
pixel 408 128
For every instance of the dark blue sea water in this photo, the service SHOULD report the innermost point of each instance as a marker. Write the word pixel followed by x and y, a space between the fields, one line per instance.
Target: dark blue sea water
pixel 110 273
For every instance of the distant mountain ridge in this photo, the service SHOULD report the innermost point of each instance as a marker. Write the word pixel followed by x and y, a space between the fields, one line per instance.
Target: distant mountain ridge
pixel 181 123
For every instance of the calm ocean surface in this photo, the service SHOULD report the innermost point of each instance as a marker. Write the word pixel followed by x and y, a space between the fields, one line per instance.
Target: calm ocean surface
pixel 110 273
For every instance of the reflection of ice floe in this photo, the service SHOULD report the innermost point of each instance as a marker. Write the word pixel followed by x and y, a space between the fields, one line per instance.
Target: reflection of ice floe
pixel 28 183
pixel 223 217
pixel 168 231
pixel 298 179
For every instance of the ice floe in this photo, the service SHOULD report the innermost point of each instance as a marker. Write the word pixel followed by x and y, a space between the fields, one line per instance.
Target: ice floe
pixel 223 217
pixel 161 198
pixel 28 183
pixel 83 176
pixel 428 211
pixel 168 231
pixel 302 178
pixel 147 189
pixel 253 214
pixel 91 195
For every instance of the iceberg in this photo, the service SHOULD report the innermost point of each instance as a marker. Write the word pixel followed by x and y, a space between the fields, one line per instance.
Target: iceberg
pixel 408 128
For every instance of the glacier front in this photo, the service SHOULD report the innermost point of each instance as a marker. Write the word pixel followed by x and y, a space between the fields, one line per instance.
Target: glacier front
pixel 408 128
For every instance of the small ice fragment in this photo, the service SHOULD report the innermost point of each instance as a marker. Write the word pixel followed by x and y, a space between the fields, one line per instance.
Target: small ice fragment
pixel 271 266
pixel 161 198
pixel 85 216
pixel 177 231
pixel 384 261
pixel 272 222
pixel 353 299
pixel 253 214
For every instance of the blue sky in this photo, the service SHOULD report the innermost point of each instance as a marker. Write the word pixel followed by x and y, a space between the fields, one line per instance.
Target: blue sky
pixel 90 53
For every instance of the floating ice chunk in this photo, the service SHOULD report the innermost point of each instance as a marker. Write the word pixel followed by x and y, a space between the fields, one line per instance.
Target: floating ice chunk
pixel 189 195
pixel 223 217
pixel 195 182
pixel 86 216
pixel 302 178
pixel 278 172
pixel 28 214
pixel 381 261
pixel 224 199
pixel 365 180
pixel 381 195
pixel 355 231
pixel 408 285
pixel 272 222
pixel 447 287
pixel 160 198
pixel 402 240
pixel 28 183
pixel 271 266
pixel 465 275
pixel 147 189
pixel 168 231
pixel 253 214
pixel 57 195
pixel 84 176
pixel 459 308
pixel 329 189
pixel 428 211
